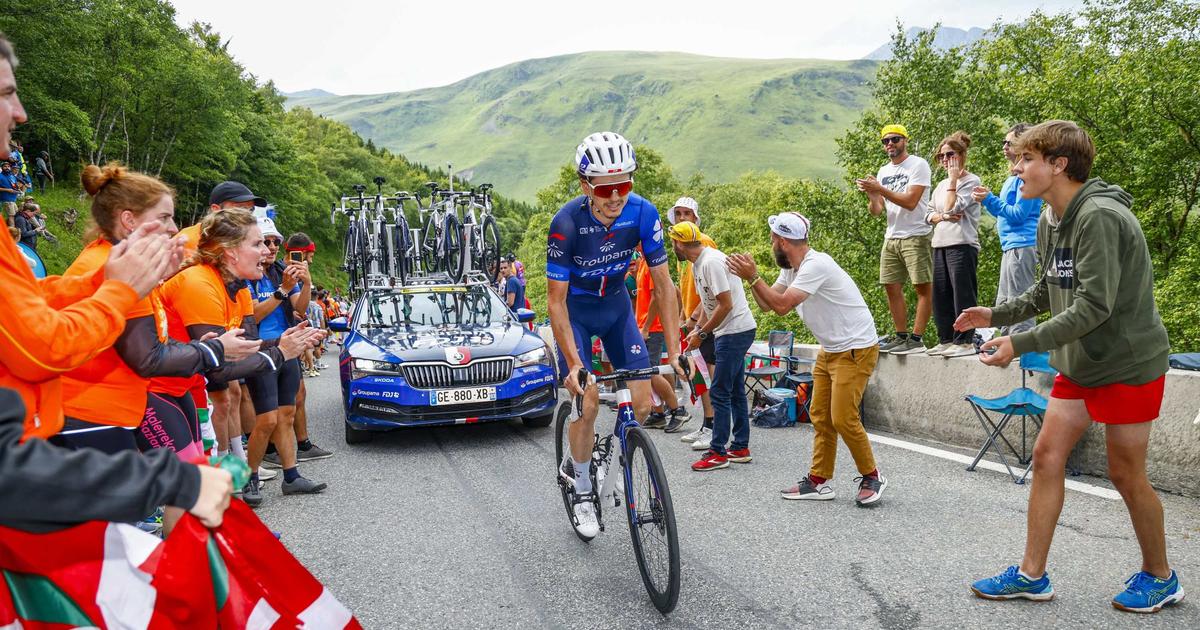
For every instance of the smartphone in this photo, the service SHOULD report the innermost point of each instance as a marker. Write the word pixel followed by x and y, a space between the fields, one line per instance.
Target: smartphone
pixel 296 256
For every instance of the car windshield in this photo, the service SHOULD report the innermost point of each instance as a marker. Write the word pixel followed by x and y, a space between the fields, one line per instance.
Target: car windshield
pixel 421 307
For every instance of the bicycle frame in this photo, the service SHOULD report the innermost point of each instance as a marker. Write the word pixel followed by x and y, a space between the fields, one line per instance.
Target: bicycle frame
pixel 625 421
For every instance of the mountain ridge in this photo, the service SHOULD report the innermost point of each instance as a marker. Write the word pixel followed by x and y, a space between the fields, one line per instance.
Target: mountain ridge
pixel 516 125
pixel 945 38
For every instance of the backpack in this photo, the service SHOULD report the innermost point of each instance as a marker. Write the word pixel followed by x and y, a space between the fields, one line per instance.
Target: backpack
pixel 770 412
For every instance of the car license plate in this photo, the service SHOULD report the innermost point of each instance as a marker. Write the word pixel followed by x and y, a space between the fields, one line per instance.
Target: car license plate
pixel 463 396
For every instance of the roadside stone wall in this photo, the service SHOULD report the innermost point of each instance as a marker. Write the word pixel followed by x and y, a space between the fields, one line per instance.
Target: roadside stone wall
pixel 923 396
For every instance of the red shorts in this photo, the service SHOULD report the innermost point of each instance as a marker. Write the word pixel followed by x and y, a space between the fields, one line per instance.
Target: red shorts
pixel 1116 403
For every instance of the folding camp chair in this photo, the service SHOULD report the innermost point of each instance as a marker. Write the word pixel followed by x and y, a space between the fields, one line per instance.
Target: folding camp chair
pixel 770 366
pixel 1023 403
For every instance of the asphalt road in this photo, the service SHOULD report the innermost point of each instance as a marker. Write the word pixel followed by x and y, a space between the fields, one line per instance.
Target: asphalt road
pixel 463 527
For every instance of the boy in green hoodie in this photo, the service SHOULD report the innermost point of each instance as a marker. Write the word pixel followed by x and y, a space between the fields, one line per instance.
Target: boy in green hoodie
pixel 1108 343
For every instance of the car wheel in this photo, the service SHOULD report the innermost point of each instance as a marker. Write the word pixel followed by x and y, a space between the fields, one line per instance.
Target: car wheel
pixel 357 436
pixel 539 421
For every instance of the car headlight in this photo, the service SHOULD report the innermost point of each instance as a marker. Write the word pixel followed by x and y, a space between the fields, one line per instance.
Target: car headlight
pixel 534 357
pixel 367 367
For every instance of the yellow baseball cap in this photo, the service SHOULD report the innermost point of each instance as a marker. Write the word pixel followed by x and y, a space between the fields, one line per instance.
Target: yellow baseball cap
pixel 890 129
pixel 685 232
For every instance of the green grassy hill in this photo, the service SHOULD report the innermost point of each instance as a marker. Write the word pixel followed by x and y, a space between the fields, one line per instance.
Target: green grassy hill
pixel 515 125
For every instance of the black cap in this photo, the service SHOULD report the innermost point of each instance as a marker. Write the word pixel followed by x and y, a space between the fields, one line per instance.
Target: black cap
pixel 233 191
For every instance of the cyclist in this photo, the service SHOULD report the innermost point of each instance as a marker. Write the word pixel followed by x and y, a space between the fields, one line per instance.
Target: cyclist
pixel 591 241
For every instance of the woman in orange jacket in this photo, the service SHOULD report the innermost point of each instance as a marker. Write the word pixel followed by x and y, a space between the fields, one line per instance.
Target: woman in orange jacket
pixel 55 324
pixel 105 400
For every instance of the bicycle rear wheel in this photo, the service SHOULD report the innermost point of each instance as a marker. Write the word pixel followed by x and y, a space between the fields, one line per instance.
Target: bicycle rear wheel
pixel 384 253
pixel 562 419
pixel 456 258
pixel 490 247
pixel 354 248
pixel 652 520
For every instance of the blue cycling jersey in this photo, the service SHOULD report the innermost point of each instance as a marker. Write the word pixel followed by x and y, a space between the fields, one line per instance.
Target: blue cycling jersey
pixel 593 258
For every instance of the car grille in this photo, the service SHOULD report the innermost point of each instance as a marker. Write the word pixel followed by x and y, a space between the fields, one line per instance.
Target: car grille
pixel 434 375
pixel 429 414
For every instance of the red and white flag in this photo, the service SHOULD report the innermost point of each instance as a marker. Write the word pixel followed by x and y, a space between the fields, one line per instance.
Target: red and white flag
pixel 110 575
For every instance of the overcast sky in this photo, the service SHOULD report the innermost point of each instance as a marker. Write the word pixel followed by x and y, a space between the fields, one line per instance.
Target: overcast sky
pixel 370 46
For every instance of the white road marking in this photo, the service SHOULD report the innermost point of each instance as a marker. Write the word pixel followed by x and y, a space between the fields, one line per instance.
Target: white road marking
pixel 1078 486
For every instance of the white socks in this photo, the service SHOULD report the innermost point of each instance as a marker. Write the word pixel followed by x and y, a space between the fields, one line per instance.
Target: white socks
pixel 235 445
pixel 583 477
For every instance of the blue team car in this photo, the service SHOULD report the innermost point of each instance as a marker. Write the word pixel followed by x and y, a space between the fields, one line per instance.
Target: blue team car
pixel 438 353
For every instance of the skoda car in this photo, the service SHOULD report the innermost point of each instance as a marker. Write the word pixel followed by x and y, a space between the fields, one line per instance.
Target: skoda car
pixel 439 354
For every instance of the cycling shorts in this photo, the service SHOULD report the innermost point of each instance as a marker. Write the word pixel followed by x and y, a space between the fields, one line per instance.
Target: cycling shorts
pixel 170 422
pixel 611 319
pixel 271 390
pixel 79 434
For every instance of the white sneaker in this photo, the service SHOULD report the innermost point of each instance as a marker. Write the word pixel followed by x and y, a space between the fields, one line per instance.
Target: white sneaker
pixel 937 350
pixel 589 525
pixel 691 437
pixel 267 474
pixel 959 350
pixel 703 442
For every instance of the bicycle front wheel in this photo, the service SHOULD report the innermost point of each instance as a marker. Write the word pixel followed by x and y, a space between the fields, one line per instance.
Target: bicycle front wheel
pixel 431 259
pixel 652 521
pixel 400 262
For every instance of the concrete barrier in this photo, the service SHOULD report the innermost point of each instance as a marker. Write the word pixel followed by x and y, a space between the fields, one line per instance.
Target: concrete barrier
pixel 923 396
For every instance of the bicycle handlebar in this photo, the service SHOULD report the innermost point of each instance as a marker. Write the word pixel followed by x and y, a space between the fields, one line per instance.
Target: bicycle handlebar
pixel 587 378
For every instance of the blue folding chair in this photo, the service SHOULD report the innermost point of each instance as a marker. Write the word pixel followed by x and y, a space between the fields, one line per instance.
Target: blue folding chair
pixel 1023 403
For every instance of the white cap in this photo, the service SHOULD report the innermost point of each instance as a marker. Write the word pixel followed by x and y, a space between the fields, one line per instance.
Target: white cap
pixel 267 227
pixel 791 225
pixel 684 202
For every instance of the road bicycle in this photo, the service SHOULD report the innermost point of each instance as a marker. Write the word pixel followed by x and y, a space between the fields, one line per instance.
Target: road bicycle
pixel 480 231
pixel 404 255
pixel 356 254
pixel 441 234
pixel 641 485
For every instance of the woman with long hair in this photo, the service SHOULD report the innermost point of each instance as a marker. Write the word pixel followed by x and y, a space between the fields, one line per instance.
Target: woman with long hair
pixel 210 296
pixel 105 400
pixel 955 219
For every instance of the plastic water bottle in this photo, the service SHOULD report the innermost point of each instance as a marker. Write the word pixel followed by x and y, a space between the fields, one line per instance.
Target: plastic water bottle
pixel 236 467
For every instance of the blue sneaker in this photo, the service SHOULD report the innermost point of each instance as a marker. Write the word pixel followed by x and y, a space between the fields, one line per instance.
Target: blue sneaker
pixel 1011 585
pixel 1145 593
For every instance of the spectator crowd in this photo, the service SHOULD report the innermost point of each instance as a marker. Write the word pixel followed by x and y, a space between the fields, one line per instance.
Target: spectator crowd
pixel 159 345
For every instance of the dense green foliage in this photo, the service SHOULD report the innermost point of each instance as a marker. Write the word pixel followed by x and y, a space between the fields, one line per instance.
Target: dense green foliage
pixel 107 80
pixel 1123 70
pixel 721 117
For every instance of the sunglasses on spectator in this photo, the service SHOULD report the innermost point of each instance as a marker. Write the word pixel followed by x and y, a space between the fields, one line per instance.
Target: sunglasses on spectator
pixel 604 191
pixel 945 156
pixel 273 242
pixel 1008 143
pixel 891 140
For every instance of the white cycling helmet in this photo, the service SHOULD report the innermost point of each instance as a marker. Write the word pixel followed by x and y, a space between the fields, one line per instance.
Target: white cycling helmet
pixel 605 153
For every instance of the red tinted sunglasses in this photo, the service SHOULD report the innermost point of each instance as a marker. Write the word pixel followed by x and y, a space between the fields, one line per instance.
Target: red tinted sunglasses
pixel 604 191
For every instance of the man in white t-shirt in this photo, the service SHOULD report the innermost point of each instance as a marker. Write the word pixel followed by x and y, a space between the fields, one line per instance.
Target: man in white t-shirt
pixel 829 302
pixel 902 190
pixel 725 316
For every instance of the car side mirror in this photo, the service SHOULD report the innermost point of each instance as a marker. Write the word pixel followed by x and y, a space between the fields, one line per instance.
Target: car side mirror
pixel 525 315
pixel 339 324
